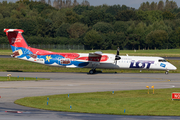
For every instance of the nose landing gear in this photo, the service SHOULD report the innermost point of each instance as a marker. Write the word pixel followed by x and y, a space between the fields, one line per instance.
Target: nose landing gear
pixel 167 72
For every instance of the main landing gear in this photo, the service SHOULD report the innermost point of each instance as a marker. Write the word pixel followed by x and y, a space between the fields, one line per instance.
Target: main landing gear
pixel 92 71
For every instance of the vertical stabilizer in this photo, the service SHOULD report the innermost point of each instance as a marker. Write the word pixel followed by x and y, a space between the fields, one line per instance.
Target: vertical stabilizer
pixel 17 41
pixel 15 37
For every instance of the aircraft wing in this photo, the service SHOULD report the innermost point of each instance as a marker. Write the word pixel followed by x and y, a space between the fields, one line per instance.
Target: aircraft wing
pixel 93 57
pixel 98 53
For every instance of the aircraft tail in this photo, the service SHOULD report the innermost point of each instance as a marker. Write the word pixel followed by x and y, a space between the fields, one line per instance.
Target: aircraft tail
pixel 17 42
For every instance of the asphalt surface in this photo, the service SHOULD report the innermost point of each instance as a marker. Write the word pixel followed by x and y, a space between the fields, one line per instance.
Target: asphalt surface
pixel 67 83
pixel 5 56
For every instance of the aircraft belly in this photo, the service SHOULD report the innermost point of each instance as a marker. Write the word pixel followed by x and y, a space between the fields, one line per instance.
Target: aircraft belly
pixel 108 66
pixel 104 65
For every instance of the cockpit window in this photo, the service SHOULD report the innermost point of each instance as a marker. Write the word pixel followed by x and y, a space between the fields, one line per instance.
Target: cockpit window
pixel 162 60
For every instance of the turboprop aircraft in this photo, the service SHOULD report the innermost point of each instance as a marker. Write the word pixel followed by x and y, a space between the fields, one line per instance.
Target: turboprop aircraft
pixel 94 60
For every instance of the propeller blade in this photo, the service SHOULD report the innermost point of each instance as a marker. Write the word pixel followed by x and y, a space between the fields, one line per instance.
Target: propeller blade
pixel 117 51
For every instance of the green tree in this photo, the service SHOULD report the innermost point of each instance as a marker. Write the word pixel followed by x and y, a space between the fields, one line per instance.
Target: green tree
pixel 5 13
pixel 145 6
pixel 160 5
pixel 150 40
pixel 120 26
pixel 16 14
pixel 71 17
pixel 4 23
pixel 167 15
pixel 44 27
pixel 58 18
pixel 39 6
pixel 29 26
pixel 133 41
pixel 93 39
pixel 77 30
pixel 131 28
pixel 92 17
pixel 149 16
pixel 113 10
pixel 3 40
pixel 157 39
pixel 178 16
pixel 161 26
pixel 140 32
pixel 170 5
pixel 142 15
pixel 1 16
pixel 153 6
pixel 79 9
pixel 32 14
pixel 35 40
pixel 103 27
pixel 109 18
pixel 126 15
pixel 120 41
pixel 174 40
pixel 62 31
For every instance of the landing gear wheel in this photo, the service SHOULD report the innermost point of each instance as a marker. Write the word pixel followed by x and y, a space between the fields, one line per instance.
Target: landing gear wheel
pixel 92 71
pixel 166 72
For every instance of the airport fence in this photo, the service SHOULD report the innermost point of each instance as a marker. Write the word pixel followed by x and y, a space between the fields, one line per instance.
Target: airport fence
pixel 48 47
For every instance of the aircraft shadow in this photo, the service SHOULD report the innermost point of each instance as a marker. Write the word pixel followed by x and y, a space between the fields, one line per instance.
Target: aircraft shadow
pixel 14 71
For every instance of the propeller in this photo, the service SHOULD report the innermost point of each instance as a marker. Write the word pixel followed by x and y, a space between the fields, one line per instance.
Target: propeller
pixel 117 57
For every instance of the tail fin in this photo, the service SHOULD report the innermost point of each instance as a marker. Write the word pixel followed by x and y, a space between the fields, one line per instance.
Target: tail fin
pixel 15 38
pixel 16 41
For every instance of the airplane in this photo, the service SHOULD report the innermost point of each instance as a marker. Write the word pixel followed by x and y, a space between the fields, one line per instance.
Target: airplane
pixel 94 60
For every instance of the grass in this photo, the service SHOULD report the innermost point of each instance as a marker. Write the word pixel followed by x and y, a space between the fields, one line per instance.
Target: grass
pixel 162 53
pixel 21 79
pixel 5 52
pixel 135 102
pixel 16 65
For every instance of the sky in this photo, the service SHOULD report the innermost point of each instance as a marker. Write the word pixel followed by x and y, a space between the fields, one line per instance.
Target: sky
pixel 129 3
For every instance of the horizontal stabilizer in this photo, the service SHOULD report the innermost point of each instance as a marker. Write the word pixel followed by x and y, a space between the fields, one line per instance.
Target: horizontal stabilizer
pixel 13 30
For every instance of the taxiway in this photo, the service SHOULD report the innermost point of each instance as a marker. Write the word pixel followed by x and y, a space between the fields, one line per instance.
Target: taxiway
pixel 67 83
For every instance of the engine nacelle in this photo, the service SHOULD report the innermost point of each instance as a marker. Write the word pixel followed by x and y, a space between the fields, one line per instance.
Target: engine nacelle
pixel 117 57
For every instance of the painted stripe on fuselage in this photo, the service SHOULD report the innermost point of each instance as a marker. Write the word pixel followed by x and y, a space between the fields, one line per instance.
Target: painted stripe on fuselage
pixel 54 60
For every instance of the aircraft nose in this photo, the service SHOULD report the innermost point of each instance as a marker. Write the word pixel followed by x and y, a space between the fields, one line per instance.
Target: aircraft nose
pixel 175 68
pixel 172 67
